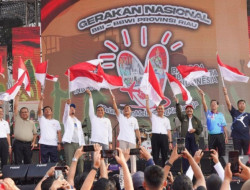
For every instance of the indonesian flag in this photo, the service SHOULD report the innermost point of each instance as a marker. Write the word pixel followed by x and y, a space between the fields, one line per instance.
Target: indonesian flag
pixel 11 93
pixel 1 66
pixel 88 65
pixel 21 70
pixel 231 74
pixel 151 86
pixel 189 73
pixel 53 78
pixel 82 79
pixel 179 88
pixel 109 81
pixel 40 73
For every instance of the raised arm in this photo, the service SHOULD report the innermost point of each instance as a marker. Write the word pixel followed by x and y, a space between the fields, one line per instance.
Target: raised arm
pixel 200 180
pixel 117 112
pixel 203 100
pixel 40 106
pixel 91 104
pixel 16 103
pixel 147 107
pixel 229 105
pixel 66 111
pixel 178 110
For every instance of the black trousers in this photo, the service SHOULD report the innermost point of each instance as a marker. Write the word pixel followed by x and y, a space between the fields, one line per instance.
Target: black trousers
pixel 159 144
pixel 217 142
pixel 22 152
pixel 241 144
pixel 48 152
pixel 4 151
pixel 192 147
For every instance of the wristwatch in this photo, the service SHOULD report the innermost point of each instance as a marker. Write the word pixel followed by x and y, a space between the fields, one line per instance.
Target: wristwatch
pixel 94 168
pixel 74 159
pixel 167 163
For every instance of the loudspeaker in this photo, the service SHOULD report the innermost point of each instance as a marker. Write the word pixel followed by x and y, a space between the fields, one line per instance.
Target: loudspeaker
pixel 38 170
pixel 15 171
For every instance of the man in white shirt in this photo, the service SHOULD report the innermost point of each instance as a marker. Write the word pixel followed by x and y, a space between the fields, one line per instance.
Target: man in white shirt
pixel 129 130
pixel 161 134
pixel 5 146
pixel 101 130
pixel 73 136
pixel 50 133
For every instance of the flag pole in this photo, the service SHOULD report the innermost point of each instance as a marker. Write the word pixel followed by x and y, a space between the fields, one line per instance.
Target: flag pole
pixel 222 79
pixel 43 88
pixel 69 82
pixel 194 83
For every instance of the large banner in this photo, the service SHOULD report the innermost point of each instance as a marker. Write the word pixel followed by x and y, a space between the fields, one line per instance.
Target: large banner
pixel 127 34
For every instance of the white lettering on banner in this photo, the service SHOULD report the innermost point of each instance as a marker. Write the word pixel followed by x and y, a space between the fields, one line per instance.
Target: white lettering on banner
pixel 212 79
pixel 131 15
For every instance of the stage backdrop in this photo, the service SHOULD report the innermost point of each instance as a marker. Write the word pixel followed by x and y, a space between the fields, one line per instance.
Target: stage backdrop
pixel 126 34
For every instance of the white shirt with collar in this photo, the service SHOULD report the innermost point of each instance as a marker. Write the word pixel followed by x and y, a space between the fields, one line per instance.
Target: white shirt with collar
pixel 127 128
pixel 190 126
pixel 69 123
pixel 4 128
pixel 48 131
pixel 101 130
pixel 160 125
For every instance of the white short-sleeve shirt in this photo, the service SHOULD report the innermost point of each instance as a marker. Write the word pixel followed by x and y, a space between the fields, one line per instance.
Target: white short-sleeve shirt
pixel 4 128
pixel 48 131
pixel 127 128
pixel 160 125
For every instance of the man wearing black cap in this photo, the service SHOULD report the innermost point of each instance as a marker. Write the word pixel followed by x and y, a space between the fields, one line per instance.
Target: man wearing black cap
pixel 191 129
pixel 73 136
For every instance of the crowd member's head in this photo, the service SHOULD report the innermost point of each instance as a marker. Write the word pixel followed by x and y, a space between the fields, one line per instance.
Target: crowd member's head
pixel 246 185
pixel 47 112
pixel 214 104
pixel 24 113
pixel 79 180
pixel 117 182
pixel 160 110
pixel 189 110
pixel 182 182
pixel 154 178
pixel 100 111
pixel 72 110
pixel 104 184
pixel 213 182
pixel 241 105
pixel 127 111
pixel 138 179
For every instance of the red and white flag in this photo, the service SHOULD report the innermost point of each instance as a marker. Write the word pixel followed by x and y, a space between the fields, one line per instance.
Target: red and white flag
pixel 53 78
pixel 87 65
pixel 189 73
pixel 231 74
pixel 82 79
pixel 151 86
pixel 178 88
pixel 1 67
pixel 21 70
pixel 109 81
pixel 11 93
pixel 41 70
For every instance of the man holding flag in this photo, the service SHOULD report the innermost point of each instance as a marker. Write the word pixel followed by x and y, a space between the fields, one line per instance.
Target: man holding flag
pixel 129 130
pixel 240 125
pixel 161 133
pixel 216 125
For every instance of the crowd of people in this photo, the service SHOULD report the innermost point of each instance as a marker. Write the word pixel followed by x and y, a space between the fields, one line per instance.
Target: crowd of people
pixel 157 173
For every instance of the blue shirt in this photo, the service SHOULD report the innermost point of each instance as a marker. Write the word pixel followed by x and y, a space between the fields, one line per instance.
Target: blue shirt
pixel 215 122
pixel 240 126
